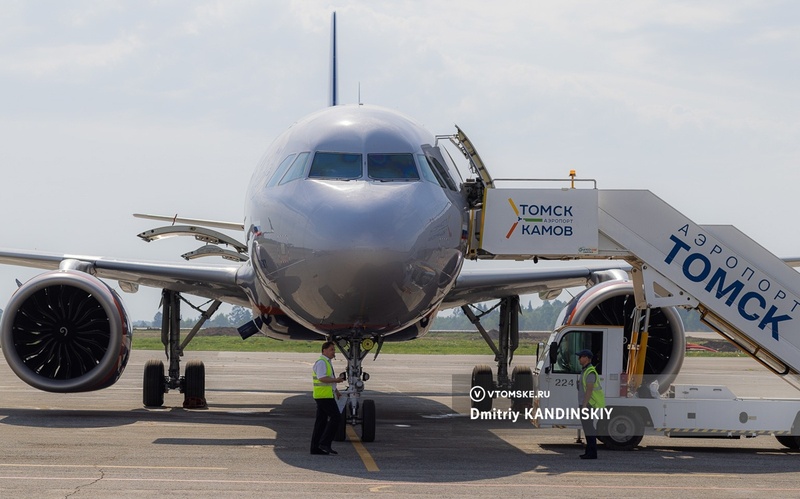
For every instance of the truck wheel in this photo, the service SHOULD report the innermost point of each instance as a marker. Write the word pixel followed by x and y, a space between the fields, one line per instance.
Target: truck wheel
pixel 623 431
pixel 522 381
pixel 790 441
pixel 482 379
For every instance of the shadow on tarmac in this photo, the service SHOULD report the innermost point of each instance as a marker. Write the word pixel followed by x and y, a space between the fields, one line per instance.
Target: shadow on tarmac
pixel 417 440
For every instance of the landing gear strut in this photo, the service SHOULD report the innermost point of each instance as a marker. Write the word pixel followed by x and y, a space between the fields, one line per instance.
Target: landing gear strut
pixel 193 383
pixel 521 379
pixel 357 411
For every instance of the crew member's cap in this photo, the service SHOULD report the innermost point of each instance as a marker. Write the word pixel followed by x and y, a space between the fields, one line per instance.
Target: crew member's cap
pixel 585 353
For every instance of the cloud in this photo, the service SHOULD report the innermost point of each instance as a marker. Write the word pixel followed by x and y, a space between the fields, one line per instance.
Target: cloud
pixel 71 58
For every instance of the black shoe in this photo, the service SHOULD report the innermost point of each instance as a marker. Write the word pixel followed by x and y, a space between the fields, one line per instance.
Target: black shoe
pixel 586 456
pixel 327 450
pixel 319 452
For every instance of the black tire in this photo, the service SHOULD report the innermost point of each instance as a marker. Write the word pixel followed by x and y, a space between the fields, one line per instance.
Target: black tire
pixel 522 381
pixel 194 385
pixel 154 385
pixel 482 377
pixel 368 417
pixel 790 441
pixel 623 431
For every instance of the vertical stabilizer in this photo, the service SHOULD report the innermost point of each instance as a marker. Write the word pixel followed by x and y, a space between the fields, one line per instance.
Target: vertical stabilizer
pixel 333 97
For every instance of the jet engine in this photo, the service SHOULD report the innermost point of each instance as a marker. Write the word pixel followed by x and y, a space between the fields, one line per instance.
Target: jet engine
pixel 612 303
pixel 66 331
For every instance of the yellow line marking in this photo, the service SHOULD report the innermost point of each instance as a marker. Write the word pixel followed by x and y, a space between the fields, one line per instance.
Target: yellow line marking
pixel 381 488
pixel 362 451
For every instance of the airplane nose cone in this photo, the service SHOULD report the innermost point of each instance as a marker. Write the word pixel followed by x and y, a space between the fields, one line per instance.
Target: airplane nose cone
pixel 366 217
pixel 374 256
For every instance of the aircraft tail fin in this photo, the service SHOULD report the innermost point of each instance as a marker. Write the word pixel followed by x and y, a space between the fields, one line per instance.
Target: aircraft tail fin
pixel 333 97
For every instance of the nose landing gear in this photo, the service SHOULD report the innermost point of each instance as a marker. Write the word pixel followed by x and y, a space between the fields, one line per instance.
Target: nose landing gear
pixel 357 412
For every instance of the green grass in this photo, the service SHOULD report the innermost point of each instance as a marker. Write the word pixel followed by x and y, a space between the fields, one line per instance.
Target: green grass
pixel 715 354
pixel 436 343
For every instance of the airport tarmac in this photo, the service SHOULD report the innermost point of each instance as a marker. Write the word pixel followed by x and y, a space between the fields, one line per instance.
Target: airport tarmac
pixel 253 440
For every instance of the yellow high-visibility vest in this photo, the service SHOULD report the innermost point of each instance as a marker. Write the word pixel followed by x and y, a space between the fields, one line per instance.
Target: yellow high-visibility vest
pixel 323 390
pixel 597 399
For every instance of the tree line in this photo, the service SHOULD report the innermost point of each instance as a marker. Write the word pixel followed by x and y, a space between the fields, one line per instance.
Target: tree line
pixel 239 315
pixel 541 318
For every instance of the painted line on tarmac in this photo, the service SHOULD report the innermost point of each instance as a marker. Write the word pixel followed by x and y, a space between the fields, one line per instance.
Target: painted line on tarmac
pixel 362 451
pixel 626 473
pixel 484 486
pixel 104 466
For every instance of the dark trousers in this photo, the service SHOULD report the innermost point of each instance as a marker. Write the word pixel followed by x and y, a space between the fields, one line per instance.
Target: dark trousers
pixel 591 437
pixel 326 424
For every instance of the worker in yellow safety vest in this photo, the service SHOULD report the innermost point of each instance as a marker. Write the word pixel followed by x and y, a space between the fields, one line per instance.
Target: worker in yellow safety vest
pixel 590 396
pixel 325 395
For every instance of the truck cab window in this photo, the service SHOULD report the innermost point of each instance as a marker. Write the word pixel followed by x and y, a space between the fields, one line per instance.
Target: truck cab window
pixel 572 343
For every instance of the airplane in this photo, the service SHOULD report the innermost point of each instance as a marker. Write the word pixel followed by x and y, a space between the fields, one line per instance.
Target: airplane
pixel 357 224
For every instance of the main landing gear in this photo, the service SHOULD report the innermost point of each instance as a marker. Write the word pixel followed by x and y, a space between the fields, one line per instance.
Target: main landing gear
pixel 521 379
pixel 193 383
pixel 357 412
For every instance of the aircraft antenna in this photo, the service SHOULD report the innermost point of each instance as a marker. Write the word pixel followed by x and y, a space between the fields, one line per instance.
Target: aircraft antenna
pixel 334 76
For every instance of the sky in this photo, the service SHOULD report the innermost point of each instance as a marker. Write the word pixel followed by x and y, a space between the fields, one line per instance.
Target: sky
pixel 110 108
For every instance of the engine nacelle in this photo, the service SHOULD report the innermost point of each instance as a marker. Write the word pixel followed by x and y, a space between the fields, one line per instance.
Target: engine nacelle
pixel 66 331
pixel 612 303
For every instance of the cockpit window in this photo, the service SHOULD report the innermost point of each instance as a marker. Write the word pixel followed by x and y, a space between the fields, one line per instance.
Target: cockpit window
pixel 428 173
pixel 336 165
pixel 441 172
pixel 392 167
pixel 285 164
pixel 442 166
pixel 297 169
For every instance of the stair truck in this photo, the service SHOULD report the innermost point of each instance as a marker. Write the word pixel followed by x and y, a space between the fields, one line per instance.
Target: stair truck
pixel 629 322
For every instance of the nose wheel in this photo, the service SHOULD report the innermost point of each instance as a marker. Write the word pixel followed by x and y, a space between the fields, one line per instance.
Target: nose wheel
pixel 357 411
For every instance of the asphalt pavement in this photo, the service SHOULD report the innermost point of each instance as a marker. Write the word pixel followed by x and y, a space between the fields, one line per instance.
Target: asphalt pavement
pixel 252 440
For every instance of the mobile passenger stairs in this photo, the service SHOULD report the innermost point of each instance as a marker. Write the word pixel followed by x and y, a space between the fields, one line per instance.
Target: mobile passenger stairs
pixel 742 291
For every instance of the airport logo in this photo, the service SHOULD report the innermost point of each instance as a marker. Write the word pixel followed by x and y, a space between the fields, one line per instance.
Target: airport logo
pixel 540 222
pixel 541 219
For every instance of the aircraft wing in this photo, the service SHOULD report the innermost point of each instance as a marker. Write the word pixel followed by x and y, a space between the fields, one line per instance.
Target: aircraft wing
pixel 208 281
pixel 477 285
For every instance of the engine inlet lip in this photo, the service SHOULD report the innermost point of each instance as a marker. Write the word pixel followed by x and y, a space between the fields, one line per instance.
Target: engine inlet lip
pixel 117 329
